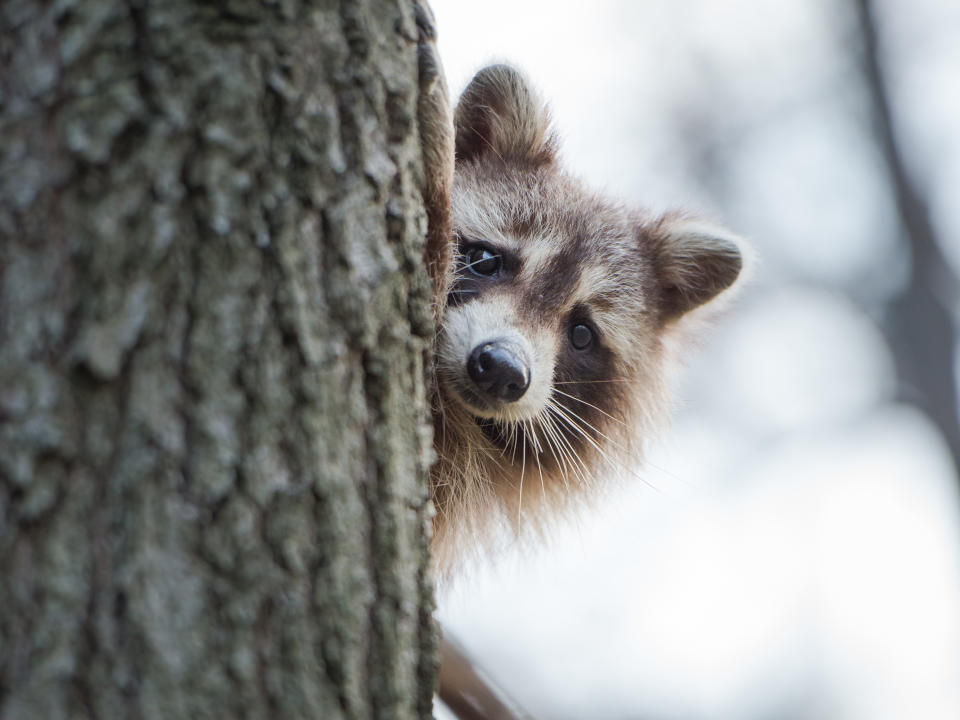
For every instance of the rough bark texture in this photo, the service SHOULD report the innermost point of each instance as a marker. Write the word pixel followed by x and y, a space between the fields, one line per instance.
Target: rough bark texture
pixel 214 322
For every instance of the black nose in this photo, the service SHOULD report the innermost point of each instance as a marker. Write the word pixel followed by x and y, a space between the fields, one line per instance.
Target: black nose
pixel 498 371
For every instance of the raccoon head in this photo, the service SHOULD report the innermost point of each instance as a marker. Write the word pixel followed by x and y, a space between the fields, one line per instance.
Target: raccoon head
pixel 553 334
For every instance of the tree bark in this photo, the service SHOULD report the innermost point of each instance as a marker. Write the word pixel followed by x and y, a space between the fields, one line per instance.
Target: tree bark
pixel 214 326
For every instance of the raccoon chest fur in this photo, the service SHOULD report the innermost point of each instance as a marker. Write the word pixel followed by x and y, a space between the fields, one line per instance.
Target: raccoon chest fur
pixel 556 311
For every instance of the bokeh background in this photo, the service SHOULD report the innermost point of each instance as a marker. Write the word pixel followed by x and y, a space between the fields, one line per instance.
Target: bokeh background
pixel 791 548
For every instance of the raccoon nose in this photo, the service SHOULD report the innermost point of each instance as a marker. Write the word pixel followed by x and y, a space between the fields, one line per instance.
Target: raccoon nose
pixel 498 371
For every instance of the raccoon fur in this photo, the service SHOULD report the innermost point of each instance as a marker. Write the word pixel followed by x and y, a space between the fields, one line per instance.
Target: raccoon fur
pixel 556 312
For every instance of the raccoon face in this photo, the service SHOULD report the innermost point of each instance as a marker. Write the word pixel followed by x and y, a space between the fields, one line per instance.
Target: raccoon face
pixel 537 302
pixel 498 366
pixel 559 300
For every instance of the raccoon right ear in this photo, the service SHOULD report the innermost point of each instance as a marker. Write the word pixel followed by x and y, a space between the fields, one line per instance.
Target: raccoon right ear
pixel 695 262
pixel 500 114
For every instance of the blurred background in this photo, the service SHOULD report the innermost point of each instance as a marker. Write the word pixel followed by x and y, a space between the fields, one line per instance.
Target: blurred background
pixel 792 547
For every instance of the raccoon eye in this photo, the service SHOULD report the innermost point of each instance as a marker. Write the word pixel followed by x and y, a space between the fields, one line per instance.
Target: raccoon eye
pixel 481 260
pixel 581 336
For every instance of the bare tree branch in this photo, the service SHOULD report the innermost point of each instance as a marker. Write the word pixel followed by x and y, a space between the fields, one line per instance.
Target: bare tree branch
pixel 467 692
pixel 920 326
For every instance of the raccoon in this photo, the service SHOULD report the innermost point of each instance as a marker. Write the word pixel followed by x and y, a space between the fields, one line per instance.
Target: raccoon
pixel 557 310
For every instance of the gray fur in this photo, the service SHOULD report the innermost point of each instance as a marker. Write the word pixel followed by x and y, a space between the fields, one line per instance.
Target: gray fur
pixel 569 256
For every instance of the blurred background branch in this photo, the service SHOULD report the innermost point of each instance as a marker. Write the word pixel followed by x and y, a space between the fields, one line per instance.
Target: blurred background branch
pixel 919 322
pixel 467 691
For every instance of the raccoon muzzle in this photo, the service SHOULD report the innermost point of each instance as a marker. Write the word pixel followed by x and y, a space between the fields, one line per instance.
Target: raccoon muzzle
pixel 499 371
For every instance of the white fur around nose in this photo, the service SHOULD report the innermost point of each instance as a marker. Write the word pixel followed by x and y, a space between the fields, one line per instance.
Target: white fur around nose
pixel 490 320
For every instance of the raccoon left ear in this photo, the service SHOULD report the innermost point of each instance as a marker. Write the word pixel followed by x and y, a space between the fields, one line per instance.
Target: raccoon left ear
pixel 695 262
pixel 501 114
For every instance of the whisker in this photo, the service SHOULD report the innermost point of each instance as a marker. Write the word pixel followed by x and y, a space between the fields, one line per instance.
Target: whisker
pixel 589 382
pixel 460 265
pixel 673 476
pixel 572 419
pixel 573 397
pixel 455 297
pixel 567 448
pixel 563 413
pixel 546 423
pixel 570 413
pixel 536 455
pixel 512 443
pixel 577 465
pixel 523 467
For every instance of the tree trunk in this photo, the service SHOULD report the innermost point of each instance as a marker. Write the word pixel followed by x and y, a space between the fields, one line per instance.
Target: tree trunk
pixel 214 322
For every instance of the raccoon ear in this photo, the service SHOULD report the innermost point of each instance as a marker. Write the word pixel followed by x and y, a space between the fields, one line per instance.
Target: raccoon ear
pixel 695 262
pixel 499 113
